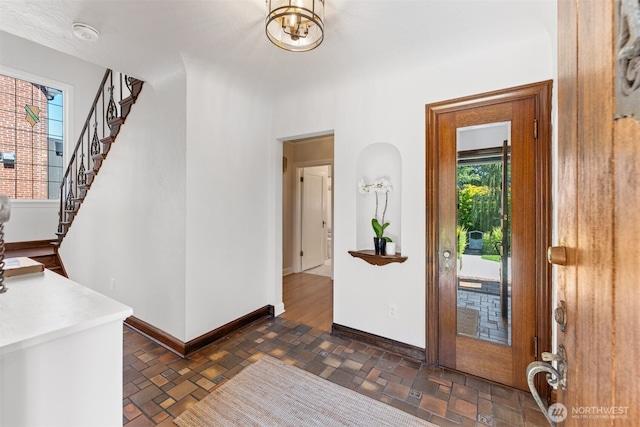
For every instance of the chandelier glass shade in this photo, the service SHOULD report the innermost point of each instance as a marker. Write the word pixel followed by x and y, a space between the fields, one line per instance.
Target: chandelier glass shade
pixel 295 25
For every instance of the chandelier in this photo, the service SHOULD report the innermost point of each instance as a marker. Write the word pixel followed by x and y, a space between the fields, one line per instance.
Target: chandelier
pixel 295 25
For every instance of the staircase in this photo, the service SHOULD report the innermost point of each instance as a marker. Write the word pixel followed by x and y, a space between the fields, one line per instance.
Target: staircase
pixel 111 106
pixel 39 250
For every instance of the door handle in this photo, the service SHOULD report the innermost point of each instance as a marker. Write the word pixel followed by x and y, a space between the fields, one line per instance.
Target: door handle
pixel 561 358
pixel 555 377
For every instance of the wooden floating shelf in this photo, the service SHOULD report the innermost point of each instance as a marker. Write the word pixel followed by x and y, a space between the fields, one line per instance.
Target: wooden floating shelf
pixel 371 257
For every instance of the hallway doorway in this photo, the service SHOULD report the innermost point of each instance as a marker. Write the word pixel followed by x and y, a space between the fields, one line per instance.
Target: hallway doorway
pixel 307 229
pixel 308 299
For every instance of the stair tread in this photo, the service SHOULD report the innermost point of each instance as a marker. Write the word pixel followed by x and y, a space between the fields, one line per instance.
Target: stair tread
pixel 128 100
pixel 46 253
pixel 135 86
pixel 30 253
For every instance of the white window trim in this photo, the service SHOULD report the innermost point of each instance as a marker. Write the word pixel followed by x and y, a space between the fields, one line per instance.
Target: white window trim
pixel 67 115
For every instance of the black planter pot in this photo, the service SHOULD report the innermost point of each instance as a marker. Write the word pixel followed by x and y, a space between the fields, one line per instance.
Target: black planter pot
pixel 379 245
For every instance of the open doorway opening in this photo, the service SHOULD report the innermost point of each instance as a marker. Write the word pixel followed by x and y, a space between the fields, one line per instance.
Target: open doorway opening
pixel 307 240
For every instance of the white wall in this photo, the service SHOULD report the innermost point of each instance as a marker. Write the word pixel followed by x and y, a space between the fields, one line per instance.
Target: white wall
pixel 229 237
pixel 369 107
pixel 32 220
pixel 19 56
pixel 131 225
pixel 186 213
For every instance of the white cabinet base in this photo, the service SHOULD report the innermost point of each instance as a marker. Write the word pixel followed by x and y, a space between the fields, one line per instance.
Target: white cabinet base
pixel 75 380
pixel 60 354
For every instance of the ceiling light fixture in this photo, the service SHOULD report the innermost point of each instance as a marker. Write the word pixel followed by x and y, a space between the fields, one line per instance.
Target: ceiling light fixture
pixel 295 25
pixel 85 32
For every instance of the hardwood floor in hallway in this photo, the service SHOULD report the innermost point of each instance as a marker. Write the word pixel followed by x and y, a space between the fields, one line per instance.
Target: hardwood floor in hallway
pixel 308 299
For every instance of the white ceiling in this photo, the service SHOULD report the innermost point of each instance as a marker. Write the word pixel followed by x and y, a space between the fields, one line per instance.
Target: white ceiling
pixel 230 33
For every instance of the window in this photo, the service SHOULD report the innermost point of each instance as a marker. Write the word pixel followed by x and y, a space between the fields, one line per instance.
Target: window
pixel 31 139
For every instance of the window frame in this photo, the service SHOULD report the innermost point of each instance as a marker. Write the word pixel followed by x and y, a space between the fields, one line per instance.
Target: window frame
pixel 67 119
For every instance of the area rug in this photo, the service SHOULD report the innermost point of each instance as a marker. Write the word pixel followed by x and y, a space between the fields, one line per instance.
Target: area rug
pixel 321 270
pixel 271 393
pixel 468 321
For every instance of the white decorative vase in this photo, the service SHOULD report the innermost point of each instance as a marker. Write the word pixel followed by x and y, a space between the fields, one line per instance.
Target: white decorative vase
pixel 390 249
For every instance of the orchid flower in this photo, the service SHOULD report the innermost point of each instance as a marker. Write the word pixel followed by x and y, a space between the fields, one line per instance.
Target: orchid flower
pixel 380 186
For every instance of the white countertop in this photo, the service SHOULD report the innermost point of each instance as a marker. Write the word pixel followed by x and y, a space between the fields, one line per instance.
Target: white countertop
pixel 44 306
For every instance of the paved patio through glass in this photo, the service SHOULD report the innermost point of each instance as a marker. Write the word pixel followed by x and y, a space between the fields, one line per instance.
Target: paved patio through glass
pixel 491 326
pixel 479 289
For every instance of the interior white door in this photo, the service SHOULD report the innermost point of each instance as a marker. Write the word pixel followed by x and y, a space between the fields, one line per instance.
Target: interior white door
pixel 313 223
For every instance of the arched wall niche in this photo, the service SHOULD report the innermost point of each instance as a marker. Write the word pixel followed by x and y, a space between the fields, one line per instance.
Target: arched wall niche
pixel 376 161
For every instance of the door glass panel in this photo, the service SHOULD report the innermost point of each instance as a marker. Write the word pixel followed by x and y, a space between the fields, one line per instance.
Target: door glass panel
pixel 484 232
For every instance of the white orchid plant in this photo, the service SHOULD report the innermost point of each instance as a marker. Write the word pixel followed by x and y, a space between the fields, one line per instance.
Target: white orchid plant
pixel 380 186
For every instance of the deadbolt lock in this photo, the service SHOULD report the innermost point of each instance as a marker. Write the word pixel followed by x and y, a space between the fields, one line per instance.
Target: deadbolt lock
pixel 560 315
pixel 557 255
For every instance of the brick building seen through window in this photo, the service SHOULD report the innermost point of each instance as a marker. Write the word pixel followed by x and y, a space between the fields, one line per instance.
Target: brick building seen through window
pixel 31 136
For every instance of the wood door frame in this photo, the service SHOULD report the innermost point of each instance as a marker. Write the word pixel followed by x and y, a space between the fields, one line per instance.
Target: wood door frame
pixel 541 93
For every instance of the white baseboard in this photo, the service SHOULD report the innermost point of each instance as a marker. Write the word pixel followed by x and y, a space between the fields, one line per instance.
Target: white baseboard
pixel 278 309
pixel 287 271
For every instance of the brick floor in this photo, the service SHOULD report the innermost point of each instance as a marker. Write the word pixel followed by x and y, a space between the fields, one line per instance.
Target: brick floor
pixel 159 385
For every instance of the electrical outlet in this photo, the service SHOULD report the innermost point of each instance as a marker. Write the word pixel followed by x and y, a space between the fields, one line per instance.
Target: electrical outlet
pixel 393 311
pixel 112 285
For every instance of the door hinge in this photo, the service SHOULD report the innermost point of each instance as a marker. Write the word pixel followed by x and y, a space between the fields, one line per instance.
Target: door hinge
pixel 302 254
pixel 535 128
pixel 535 346
pixel 302 179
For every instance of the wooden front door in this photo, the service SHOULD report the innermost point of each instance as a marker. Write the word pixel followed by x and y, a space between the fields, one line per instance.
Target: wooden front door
pixel 489 213
pixel 599 211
